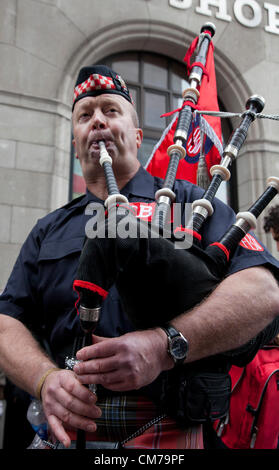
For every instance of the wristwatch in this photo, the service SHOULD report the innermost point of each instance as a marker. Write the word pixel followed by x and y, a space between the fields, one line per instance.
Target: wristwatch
pixel 178 345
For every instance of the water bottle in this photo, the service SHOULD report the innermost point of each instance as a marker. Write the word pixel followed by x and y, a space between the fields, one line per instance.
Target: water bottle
pixel 37 443
pixel 37 419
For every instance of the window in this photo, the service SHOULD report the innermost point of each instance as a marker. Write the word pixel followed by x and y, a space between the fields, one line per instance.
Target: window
pixel 156 84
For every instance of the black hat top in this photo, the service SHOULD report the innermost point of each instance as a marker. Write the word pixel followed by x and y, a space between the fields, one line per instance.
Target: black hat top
pixel 98 79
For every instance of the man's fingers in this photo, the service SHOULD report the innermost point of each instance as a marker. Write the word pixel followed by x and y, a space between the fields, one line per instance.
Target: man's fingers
pixel 76 406
pixel 58 430
pixel 67 381
pixel 106 381
pixel 67 417
pixel 101 348
pixel 68 403
pixel 75 389
pixel 96 366
pixel 115 380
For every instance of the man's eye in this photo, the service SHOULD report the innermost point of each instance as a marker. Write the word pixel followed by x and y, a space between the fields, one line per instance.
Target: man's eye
pixel 83 116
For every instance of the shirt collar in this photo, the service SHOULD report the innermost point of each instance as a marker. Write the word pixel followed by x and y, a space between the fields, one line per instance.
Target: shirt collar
pixel 142 184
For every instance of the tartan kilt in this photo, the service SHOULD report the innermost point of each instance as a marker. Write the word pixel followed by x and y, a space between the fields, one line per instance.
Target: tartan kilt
pixel 124 415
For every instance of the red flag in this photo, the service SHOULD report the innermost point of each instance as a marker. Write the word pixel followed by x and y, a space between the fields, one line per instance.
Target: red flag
pixel 210 126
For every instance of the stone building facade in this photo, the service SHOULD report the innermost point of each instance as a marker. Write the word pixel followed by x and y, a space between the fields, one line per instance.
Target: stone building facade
pixel 43 44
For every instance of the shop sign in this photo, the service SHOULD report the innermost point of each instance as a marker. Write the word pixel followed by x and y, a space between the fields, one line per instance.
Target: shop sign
pixel 249 13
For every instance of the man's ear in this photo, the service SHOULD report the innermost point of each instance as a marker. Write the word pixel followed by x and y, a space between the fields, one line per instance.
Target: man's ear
pixel 74 144
pixel 139 137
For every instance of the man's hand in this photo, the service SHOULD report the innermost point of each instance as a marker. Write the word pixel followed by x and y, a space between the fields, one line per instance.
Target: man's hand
pixel 128 362
pixel 68 404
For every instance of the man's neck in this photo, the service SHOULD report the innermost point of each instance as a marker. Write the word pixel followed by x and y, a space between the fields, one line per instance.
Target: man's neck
pixel 98 186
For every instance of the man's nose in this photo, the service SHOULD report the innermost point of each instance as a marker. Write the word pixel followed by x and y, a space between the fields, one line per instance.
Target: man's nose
pixel 98 120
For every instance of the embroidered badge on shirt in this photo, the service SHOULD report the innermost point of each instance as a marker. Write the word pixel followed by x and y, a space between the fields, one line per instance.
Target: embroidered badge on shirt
pixel 250 243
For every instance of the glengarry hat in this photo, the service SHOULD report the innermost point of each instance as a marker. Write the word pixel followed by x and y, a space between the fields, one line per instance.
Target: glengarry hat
pixel 98 79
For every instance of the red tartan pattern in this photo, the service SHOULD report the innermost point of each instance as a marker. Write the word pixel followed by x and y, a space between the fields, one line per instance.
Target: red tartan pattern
pixel 166 435
pixel 94 82
pixel 123 415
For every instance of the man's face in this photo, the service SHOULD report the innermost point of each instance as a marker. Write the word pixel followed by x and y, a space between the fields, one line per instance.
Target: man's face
pixel 109 118
pixel 275 236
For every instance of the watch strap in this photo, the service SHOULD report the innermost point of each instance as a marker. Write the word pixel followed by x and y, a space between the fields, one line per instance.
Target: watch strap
pixel 171 331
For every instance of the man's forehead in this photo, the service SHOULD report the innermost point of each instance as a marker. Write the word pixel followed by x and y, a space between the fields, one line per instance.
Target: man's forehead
pixel 101 99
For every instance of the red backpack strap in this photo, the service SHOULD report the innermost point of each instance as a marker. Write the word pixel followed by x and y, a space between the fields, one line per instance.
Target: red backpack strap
pixel 236 374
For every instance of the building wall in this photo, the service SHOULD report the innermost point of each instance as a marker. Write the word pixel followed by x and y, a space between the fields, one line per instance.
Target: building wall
pixel 43 44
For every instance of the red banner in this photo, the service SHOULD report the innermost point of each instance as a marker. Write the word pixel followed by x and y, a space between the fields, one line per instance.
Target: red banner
pixel 211 129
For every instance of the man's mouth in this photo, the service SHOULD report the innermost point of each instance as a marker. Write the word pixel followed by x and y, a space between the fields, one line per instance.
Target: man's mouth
pixel 95 143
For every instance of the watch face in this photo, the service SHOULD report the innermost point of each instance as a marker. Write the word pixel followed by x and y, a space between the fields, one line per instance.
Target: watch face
pixel 179 348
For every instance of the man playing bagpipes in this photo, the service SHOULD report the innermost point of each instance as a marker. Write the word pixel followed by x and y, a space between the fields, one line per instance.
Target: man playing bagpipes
pixel 127 364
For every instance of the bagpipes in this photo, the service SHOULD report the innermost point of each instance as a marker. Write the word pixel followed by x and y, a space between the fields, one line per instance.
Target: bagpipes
pixel 180 278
